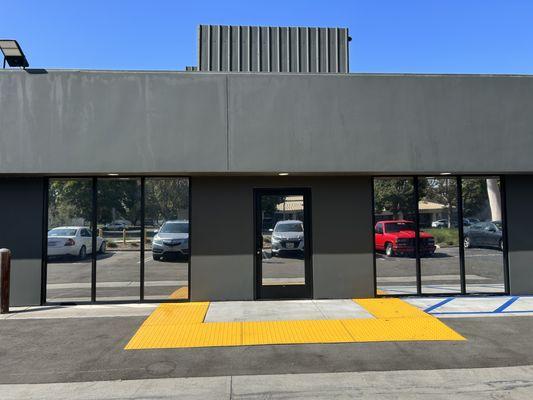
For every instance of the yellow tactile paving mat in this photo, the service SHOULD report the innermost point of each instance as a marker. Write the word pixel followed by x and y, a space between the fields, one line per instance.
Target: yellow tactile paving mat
pixel 186 335
pixel 390 308
pixel 178 314
pixel 181 326
pixel 399 329
pixel 293 332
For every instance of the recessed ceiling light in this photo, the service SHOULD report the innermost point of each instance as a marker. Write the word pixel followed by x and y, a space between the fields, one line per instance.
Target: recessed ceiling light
pixel 283 174
pixel 113 174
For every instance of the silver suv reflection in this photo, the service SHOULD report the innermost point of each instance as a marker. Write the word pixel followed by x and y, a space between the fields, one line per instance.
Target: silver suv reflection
pixel 171 239
pixel 288 238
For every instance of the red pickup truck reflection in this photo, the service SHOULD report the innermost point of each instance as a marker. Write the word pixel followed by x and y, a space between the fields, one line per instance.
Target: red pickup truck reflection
pixel 398 238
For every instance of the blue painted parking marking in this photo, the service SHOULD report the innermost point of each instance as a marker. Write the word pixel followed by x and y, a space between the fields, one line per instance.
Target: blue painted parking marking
pixel 463 312
pixel 500 310
pixel 441 303
pixel 506 304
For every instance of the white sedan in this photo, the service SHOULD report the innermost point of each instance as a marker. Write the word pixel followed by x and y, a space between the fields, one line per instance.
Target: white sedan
pixel 72 241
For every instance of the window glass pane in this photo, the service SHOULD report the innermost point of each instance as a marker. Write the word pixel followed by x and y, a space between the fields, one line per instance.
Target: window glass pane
pixel 166 261
pixel 439 235
pixel 69 262
pixel 282 225
pixel 118 216
pixel 483 234
pixel 394 214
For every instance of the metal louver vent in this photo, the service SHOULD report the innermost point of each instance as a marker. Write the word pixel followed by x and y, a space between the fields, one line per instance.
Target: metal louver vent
pixel 272 49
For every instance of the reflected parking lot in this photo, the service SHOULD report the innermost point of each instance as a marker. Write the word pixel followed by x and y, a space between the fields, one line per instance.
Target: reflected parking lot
pixel 283 270
pixel 69 279
pixel 115 220
pixel 440 272
pixel 439 217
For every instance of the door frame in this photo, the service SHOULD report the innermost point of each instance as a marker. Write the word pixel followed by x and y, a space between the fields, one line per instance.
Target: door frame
pixel 277 292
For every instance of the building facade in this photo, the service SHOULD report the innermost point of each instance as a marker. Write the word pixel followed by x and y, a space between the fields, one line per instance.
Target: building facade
pixel 235 185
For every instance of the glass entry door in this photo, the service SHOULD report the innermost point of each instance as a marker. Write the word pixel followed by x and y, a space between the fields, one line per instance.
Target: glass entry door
pixel 283 261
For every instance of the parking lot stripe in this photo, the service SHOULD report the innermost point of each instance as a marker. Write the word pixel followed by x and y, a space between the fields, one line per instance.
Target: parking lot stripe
pixel 506 304
pixel 441 303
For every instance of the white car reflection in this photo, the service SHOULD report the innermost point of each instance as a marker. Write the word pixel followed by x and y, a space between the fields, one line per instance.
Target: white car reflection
pixel 72 241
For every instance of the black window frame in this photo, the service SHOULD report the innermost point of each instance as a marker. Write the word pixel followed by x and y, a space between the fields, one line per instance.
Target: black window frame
pixel 464 292
pixel 94 203
pixel 283 292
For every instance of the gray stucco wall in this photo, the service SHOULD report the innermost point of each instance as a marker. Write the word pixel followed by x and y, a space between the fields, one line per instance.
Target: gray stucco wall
pixel 21 217
pixel 170 122
pixel 78 122
pixel 342 237
pixel 222 234
pixel 222 246
pixel 519 197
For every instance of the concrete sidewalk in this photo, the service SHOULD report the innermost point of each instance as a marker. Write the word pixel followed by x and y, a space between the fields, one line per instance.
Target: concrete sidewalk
pixel 441 307
pixel 444 384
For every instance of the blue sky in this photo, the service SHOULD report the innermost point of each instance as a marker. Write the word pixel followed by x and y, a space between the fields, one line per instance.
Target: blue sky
pixel 419 36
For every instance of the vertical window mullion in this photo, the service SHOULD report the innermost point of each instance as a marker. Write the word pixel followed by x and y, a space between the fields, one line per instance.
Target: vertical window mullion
pixel 417 238
pixel 93 239
pixel 460 226
pixel 503 200
pixel 374 266
pixel 44 261
pixel 141 261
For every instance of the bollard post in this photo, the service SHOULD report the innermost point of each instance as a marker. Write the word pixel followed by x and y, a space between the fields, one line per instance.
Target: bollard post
pixel 124 235
pixel 5 270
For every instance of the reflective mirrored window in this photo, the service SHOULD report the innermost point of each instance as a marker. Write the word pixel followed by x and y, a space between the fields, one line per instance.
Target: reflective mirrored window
pixel 283 243
pixel 394 235
pixel 483 234
pixel 439 235
pixel 69 241
pixel 166 259
pixel 119 239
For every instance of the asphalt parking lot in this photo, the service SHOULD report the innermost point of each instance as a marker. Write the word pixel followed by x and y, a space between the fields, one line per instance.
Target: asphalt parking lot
pixel 88 349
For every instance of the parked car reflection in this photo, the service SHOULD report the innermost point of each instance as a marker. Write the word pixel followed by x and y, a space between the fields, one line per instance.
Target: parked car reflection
pixel 441 223
pixel 397 237
pixel 288 238
pixel 470 221
pixel 171 240
pixel 484 234
pixel 118 224
pixel 72 241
